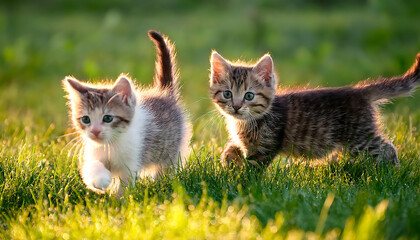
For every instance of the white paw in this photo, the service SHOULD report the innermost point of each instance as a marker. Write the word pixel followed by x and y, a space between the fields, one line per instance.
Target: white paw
pixel 102 181
pixel 96 176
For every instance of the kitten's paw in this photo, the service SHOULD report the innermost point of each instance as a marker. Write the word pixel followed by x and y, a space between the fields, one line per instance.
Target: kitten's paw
pixel 96 176
pixel 231 156
pixel 102 182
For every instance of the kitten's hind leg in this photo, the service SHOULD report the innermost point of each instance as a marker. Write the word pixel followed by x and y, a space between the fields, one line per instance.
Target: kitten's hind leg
pixel 383 150
pixel 153 171
pixel 388 153
pixel 232 155
pixel 126 179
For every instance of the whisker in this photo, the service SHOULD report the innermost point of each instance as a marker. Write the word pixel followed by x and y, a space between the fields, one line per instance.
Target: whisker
pixel 201 99
pixel 206 114
pixel 109 151
pixel 74 147
pixel 220 126
pixel 216 130
pixel 81 151
pixel 67 134
pixel 70 142
pixel 207 121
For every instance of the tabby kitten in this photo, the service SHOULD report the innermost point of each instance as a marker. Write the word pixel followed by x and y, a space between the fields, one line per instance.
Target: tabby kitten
pixel 311 123
pixel 129 131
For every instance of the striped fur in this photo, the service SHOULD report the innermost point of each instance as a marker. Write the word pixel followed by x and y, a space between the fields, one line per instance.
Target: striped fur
pixel 166 75
pixel 310 123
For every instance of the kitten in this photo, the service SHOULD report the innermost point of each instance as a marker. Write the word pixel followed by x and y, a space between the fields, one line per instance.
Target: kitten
pixel 311 123
pixel 129 131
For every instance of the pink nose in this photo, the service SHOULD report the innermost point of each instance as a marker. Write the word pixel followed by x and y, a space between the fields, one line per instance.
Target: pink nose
pixel 95 131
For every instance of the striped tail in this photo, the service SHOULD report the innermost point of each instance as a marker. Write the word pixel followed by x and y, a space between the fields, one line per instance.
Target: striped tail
pixel 166 75
pixel 386 88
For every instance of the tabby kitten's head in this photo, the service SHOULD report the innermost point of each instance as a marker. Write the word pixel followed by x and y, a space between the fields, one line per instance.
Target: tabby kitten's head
pixel 101 113
pixel 242 91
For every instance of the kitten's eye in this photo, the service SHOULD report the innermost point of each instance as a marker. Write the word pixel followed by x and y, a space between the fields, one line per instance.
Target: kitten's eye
pixel 85 119
pixel 227 94
pixel 107 118
pixel 249 96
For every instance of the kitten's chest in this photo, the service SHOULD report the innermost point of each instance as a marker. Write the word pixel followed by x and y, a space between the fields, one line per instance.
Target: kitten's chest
pixel 257 136
pixel 246 135
pixel 119 157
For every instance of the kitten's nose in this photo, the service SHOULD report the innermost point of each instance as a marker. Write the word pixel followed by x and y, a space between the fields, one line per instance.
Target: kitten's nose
pixel 236 108
pixel 95 131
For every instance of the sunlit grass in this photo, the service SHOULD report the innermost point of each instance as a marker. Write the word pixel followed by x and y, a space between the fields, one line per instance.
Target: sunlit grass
pixel 42 195
pixel 175 219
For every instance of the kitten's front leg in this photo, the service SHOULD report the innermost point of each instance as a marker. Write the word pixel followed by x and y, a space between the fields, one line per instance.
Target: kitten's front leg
pixel 232 154
pixel 96 176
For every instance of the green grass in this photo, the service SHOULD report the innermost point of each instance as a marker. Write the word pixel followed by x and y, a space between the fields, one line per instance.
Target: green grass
pixel 42 195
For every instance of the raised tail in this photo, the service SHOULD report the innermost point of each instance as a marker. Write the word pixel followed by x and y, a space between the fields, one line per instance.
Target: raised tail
pixel 386 88
pixel 166 75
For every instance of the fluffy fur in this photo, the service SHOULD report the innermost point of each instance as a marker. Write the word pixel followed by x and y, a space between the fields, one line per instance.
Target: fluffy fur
pixel 310 123
pixel 128 131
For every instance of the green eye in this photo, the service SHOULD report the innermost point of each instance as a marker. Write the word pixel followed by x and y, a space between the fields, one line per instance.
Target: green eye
pixel 227 94
pixel 249 96
pixel 85 119
pixel 107 118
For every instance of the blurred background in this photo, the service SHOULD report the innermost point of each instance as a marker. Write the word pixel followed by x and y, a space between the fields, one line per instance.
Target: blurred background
pixel 313 43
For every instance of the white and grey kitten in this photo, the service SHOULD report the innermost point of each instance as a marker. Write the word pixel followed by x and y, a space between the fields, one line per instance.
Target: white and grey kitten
pixel 129 131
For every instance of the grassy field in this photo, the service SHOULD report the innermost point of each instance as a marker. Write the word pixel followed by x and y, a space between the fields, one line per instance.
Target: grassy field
pixel 42 195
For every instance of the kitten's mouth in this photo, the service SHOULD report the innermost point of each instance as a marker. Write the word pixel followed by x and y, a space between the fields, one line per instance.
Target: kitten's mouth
pixel 242 117
pixel 96 139
pixel 238 115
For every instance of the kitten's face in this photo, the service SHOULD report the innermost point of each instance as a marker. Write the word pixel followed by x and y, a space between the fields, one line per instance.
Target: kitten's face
pixel 100 114
pixel 242 92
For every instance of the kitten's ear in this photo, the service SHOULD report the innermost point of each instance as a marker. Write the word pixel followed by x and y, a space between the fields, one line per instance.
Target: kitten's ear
pixel 72 85
pixel 264 69
pixel 124 87
pixel 219 68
